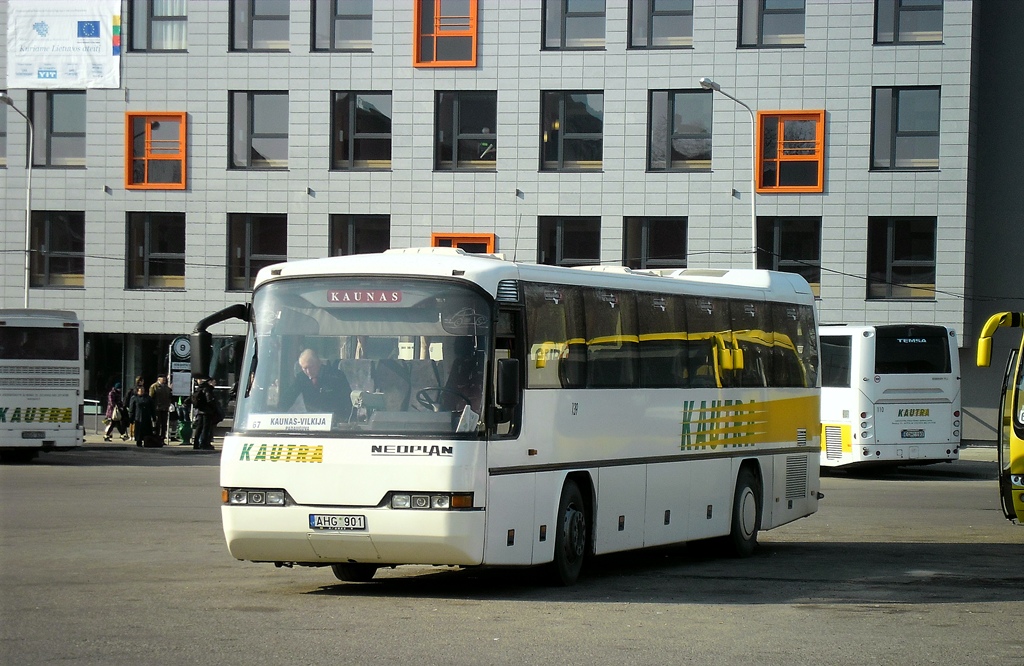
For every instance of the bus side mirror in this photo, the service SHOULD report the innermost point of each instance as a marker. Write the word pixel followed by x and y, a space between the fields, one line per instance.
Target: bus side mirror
pixel 202 350
pixel 984 352
pixel 508 382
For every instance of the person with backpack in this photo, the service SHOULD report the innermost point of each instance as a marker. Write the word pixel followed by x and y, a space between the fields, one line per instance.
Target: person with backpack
pixel 206 407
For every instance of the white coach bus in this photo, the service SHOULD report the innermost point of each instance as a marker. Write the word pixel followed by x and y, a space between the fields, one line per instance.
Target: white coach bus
pixel 41 386
pixel 432 407
pixel 890 395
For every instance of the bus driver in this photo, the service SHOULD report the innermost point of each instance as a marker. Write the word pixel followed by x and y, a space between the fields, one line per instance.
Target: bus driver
pixel 323 388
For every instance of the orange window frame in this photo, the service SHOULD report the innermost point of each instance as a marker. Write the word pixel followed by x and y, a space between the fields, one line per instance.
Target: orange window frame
pixel 445 26
pixel 155 150
pixel 790 151
pixel 456 239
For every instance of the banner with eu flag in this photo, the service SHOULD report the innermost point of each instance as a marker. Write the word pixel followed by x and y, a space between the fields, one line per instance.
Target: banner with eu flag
pixel 63 44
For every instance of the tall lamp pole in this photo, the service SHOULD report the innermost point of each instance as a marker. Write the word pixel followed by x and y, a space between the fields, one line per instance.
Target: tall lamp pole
pixel 6 99
pixel 708 84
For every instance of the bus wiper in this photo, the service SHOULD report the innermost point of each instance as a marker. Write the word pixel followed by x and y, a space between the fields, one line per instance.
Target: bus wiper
pixel 252 366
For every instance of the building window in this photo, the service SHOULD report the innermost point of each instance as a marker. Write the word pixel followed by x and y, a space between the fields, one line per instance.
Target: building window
pixel 572 131
pixel 680 135
pixel 905 128
pixel 768 23
pixel 908 21
pixel 901 257
pixel 573 24
pixel 156 250
pixel 569 241
pixel 464 127
pixel 259 25
pixel 58 119
pixel 259 130
pixel 342 26
pixel 445 33
pixel 791 151
pixel 361 130
pixel 474 243
pixel 254 241
pixel 660 24
pixel 792 245
pixel 58 249
pixel 158 25
pixel 654 242
pixel 155 155
pixel 359 234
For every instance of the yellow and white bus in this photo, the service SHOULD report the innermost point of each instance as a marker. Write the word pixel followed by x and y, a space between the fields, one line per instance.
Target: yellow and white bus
pixel 890 395
pixel 1011 414
pixel 474 411
pixel 41 388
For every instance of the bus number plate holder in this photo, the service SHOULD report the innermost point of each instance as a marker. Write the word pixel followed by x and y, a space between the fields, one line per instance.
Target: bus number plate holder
pixel 336 523
pixel 912 434
pixel 33 434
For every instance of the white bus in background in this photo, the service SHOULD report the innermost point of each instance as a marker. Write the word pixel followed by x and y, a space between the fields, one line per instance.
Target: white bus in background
pixel 41 383
pixel 611 411
pixel 890 395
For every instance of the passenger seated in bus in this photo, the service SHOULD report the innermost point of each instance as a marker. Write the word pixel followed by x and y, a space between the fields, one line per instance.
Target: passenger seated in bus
pixel 322 387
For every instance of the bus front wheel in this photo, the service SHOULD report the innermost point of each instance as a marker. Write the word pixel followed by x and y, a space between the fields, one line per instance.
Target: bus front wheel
pixel 570 535
pixel 746 514
pixel 354 572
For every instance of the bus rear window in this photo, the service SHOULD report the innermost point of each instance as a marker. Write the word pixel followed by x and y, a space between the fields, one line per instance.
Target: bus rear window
pixel 912 350
pixel 38 344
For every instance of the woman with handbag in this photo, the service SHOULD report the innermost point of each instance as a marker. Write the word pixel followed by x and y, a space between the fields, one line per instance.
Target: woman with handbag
pixel 115 413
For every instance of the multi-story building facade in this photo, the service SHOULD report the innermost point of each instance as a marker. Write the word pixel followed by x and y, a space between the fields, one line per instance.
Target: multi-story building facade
pixel 556 131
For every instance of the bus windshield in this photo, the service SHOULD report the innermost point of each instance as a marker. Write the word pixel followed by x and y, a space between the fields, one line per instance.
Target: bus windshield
pixel 912 350
pixel 365 356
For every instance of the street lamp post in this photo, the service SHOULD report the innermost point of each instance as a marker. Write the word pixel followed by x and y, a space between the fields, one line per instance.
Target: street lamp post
pixel 708 84
pixel 6 99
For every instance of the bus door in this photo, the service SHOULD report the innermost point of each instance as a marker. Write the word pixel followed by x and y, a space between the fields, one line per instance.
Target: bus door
pixel 1007 399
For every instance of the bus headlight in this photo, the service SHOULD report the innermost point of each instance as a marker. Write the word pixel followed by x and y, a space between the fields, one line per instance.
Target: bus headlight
pixel 437 501
pixel 253 496
pixel 1016 480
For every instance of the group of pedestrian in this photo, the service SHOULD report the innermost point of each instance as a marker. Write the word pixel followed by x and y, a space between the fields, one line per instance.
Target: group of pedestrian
pixel 144 415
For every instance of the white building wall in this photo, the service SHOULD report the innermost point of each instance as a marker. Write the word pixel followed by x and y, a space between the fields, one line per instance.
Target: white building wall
pixel 835 70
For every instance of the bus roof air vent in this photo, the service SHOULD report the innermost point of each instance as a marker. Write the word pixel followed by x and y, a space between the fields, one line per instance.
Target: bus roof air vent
pixel 508 291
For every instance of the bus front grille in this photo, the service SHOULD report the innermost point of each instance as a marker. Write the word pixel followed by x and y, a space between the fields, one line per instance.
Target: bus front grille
pixel 796 477
pixel 833 442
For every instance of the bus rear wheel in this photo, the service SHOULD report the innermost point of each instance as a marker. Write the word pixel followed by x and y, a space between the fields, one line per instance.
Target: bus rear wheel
pixel 746 514
pixel 354 572
pixel 571 530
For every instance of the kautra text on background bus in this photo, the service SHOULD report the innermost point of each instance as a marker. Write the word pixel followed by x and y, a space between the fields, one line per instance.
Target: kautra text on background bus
pixel 41 370
pixel 426 406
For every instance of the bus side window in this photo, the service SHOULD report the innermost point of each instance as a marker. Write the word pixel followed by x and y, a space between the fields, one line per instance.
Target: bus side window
pixel 752 335
pixel 612 347
pixel 707 319
pixel 556 337
pixel 664 348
